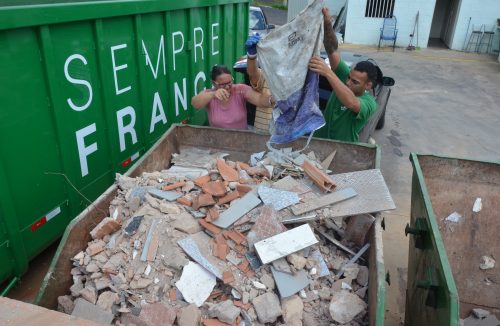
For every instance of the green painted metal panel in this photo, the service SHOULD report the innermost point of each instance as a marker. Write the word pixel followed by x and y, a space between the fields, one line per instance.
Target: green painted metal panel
pixel 87 88
pixel 431 295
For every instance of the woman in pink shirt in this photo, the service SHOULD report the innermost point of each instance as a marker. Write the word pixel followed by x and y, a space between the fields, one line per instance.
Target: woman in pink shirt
pixel 225 102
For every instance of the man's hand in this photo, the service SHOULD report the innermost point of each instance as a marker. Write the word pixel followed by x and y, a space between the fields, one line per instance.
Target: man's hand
pixel 222 95
pixel 326 16
pixel 251 45
pixel 318 65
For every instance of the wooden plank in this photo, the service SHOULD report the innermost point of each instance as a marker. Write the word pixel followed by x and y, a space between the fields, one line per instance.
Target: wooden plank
pixel 334 197
pixel 285 243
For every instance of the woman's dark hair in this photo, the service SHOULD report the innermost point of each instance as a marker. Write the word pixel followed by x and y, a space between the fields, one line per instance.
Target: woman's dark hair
pixel 218 70
pixel 369 68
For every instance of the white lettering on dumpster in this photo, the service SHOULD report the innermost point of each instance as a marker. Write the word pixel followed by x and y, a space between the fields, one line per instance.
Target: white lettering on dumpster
pixel 215 37
pixel 155 118
pixel 200 75
pixel 117 68
pixel 182 96
pixel 161 55
pixel 126 129
pixel 77 81
pixel 198 45
pixel 84 151
pixel 174 49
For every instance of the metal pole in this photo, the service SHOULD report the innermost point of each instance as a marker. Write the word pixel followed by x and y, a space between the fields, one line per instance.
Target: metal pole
pixel 465 40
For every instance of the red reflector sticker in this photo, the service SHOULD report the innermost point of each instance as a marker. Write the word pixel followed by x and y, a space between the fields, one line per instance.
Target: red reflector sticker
pixel 127 162
pixel 38 224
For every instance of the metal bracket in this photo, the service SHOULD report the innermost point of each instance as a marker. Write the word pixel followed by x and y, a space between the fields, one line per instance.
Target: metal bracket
pixel 419 232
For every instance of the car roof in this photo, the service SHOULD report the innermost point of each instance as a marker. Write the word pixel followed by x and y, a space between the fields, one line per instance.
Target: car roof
pixel 255 8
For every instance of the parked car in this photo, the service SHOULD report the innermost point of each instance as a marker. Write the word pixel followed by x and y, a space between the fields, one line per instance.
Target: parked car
pixel 258 22
pixel 381 92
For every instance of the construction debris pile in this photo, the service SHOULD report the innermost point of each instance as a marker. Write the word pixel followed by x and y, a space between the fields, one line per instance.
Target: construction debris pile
pixel 215 242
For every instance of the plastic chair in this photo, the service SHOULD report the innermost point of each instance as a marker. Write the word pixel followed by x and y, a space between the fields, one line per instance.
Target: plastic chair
pixel 389 31
pixel 475 38
pixel 487 37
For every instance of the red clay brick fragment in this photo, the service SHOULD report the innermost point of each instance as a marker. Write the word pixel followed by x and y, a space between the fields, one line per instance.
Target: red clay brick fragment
pixel 229 198
pixel 107 226
pixel 203 200
pixel 244 266
pixel 242 165
pixel 220 247
pixel 184 201
pixel 320 178
pixel 227 172
pixel 240 249
pixel 227 277
pixel 243 189
pixel 209 226
pixel 258 171
pixel 236 236
pixel 174 185
pixel 212 214
pixel 215 322
pixel 215 294
pixel 214 188
pixel 172 294
pixel 200 181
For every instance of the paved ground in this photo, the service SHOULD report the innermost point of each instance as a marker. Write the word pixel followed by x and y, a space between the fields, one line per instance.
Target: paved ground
pixel 444 102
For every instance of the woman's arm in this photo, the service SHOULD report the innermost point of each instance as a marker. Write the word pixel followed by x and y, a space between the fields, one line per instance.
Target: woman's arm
pixel 201 100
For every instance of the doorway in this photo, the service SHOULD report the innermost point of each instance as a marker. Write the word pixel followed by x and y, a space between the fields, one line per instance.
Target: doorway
pixel 443 23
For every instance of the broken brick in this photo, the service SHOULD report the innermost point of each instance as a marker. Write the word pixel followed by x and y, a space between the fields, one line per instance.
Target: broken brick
pixel 172 294
pixel 215 294
pixel 240 249
pixel 242 305
pixel 243 189
pixel 258 171
pixel 227 277
pixel 212 214
pixel 209 226
pixel 320 178
pixel 227 172
pixel 184 201
pixel 220 248
pixel 216 322
pixel 244 266
pixel 107 226
pixel 202 200
pixel 236 236
pixel 229 198
pixel 200 181
pixel 215 188
pixel 96 247
pixel 242 165
pixel 174 186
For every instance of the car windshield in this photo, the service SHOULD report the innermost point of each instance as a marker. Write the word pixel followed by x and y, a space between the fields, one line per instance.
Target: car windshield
pixel 256 20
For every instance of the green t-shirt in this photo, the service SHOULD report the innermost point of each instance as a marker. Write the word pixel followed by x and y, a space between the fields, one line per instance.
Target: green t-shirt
pixel 342 123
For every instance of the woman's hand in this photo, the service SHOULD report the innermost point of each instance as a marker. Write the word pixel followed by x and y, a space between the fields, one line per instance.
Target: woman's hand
pixel 222 95
pixel 318 65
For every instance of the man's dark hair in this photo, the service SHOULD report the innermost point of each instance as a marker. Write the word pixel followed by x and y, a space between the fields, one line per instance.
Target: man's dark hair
pixel 218 70
pixel 369 68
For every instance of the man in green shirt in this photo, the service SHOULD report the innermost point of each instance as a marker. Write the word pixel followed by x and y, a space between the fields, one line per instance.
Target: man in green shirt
pixel 351 105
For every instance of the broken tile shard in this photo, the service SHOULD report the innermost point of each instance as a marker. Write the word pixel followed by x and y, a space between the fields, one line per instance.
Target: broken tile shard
pixel 167 195
pixel 278 199
pixel 236 211
pixel 285 243
pixel 333 198
pixel 320 178
pixel 195 284
pixel 227 172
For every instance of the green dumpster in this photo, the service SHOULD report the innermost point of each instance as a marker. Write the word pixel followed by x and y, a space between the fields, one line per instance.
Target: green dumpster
pixel 87 88
pixel 445 281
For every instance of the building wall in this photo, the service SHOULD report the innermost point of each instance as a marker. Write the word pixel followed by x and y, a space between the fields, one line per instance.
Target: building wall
pixel 480 12
pixel 364 30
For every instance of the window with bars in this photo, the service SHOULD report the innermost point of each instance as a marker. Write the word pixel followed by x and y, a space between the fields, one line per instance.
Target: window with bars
pixel 379 8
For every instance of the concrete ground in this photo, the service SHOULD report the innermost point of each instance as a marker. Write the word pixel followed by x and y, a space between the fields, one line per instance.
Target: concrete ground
pixel 444 102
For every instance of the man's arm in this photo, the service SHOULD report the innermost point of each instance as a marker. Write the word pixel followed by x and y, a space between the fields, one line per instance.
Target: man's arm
pixel 343 93
pixel 330 41
pixel 253 71
pixel 259 99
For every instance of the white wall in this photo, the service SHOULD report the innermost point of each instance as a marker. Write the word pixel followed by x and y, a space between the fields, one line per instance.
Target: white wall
pixel 480 12
pixel 364 30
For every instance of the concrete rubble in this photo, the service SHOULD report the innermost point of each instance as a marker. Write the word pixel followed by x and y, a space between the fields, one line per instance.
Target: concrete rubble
pixel 186 246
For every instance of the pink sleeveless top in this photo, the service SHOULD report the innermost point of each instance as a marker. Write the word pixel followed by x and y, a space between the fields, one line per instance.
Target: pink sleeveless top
pixel 231 114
